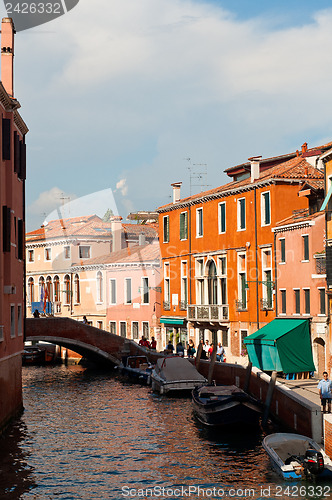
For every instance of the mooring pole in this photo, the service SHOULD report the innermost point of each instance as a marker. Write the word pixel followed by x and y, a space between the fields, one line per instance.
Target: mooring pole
pixel 212 363
pixel 248 377
pixel 198 357
pixel 269 397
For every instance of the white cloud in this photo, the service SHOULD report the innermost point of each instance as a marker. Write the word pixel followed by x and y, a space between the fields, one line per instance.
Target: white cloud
pixel 49 200
pixel 131 88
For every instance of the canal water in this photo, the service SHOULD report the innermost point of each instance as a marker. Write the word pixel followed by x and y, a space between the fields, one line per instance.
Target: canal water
pixel 85 434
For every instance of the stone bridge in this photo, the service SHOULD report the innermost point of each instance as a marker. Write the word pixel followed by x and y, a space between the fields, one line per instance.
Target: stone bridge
pixel 92 343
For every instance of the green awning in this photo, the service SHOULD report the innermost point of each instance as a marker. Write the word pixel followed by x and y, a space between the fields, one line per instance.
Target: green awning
pixel 327 199
pixel 283 345
pixel 172 321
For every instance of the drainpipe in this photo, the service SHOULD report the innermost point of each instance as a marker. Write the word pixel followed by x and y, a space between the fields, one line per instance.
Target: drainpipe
pixel 256 256
pixel 275 271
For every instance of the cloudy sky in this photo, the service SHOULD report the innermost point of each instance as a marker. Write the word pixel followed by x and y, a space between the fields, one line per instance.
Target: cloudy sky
pixel 119 94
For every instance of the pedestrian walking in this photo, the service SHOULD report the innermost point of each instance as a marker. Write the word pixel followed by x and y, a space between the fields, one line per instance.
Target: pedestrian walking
pixel 324 387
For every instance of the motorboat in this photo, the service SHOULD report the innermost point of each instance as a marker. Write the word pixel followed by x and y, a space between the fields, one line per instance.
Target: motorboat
pixel 296 457
pixel 137 368
pixel 224 405
pixel 174 374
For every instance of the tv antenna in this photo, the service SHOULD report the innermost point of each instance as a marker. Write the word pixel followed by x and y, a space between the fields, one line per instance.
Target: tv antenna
pixel 198 174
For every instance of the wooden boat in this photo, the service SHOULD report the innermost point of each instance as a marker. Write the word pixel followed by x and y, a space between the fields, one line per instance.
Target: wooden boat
pixel 297 457
pixel 224 405
pixel 137 368
pixel 174 374
pixel 32 355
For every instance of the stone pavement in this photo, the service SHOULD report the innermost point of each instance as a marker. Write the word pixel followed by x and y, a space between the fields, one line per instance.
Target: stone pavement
pixel 307 388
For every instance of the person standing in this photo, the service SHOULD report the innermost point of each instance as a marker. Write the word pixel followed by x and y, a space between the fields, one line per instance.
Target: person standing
pixel 325 386
pixel 153 344
pixel 220 352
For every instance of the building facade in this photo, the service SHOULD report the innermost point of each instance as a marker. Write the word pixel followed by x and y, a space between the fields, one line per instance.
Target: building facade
pixel 12 215
pixel 217 248
pixel 301 278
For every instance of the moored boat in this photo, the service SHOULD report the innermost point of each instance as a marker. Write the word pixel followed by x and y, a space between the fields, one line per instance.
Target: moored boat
pixel 32 355
pixel 175 374
pixel 224 405
pixel 296 457
pixel 137 368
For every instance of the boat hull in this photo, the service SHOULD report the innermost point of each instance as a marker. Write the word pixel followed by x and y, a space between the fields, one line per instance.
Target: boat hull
pixel 229 410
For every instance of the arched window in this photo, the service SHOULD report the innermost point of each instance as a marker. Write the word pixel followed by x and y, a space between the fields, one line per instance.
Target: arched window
pixel 41 284
pixel 77 288
pixel 49 289
pixel 31 289
pixel 56 285
pixel 212 283
pixel 67 288
pixel 99 287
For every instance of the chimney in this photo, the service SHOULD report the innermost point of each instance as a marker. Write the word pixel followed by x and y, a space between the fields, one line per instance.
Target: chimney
pixel 116 229
pixel 176 191
pixel 254 167
pixel 141 239
pixel 7 55
pixel 304 147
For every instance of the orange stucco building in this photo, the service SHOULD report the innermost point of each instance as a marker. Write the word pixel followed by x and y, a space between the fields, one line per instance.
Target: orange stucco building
pixel 218 248
pixel 12 216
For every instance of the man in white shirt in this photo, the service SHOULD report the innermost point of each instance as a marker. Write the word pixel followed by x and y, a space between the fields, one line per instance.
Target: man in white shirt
pixel 325 386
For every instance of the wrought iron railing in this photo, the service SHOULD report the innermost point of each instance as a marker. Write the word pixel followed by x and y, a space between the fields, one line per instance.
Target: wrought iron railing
pixel 166 306
pixel 241 305
pixel 208 312
pixel 266 305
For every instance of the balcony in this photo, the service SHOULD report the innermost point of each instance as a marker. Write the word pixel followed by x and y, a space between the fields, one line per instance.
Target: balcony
pixel 166 306
pixel 320 264
pixel 208 312
pixel 266 305
pixel 183 305
pixel 241 305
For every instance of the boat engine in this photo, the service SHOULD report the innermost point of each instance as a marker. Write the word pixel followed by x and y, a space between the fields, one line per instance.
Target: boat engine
pixel 313 463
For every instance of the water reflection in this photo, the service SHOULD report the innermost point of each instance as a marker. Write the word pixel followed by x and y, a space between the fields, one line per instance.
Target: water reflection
pixel 86 435
pixel 16 475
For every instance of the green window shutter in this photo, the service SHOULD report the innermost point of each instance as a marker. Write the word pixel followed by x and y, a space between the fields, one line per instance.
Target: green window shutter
pixel 283 301
pixel 242 214
pixel 222 217
pixel 305 247
pixel 267 213
pixel 282 251
pixel 166 229
pixel 184 226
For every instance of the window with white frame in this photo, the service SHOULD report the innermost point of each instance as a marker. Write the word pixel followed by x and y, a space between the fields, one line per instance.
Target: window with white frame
pixel 199 222
pixel 19 320
pixel 242 282
pixel 184 285
pixel 77 294
pixel 241 214
pixel 166 229
pixel 123 329
pixel 135 330
pixel 12 321
pixel 48 254
pixel 145 291
pixel 112 291
pixel 145 328
pixel 222 217
pixel 200 284
pixel 265 209
pixel 127 291
pixel 305 240
pixel 283 301
pixel 113 327
pixel 297 302
pixel 167 296
pixel 184 226
pixel 223 279
pixel 31 288
pixel 267 285
pixel 306 300
pixel 282 250
pixel 84 252
pixel 322 301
